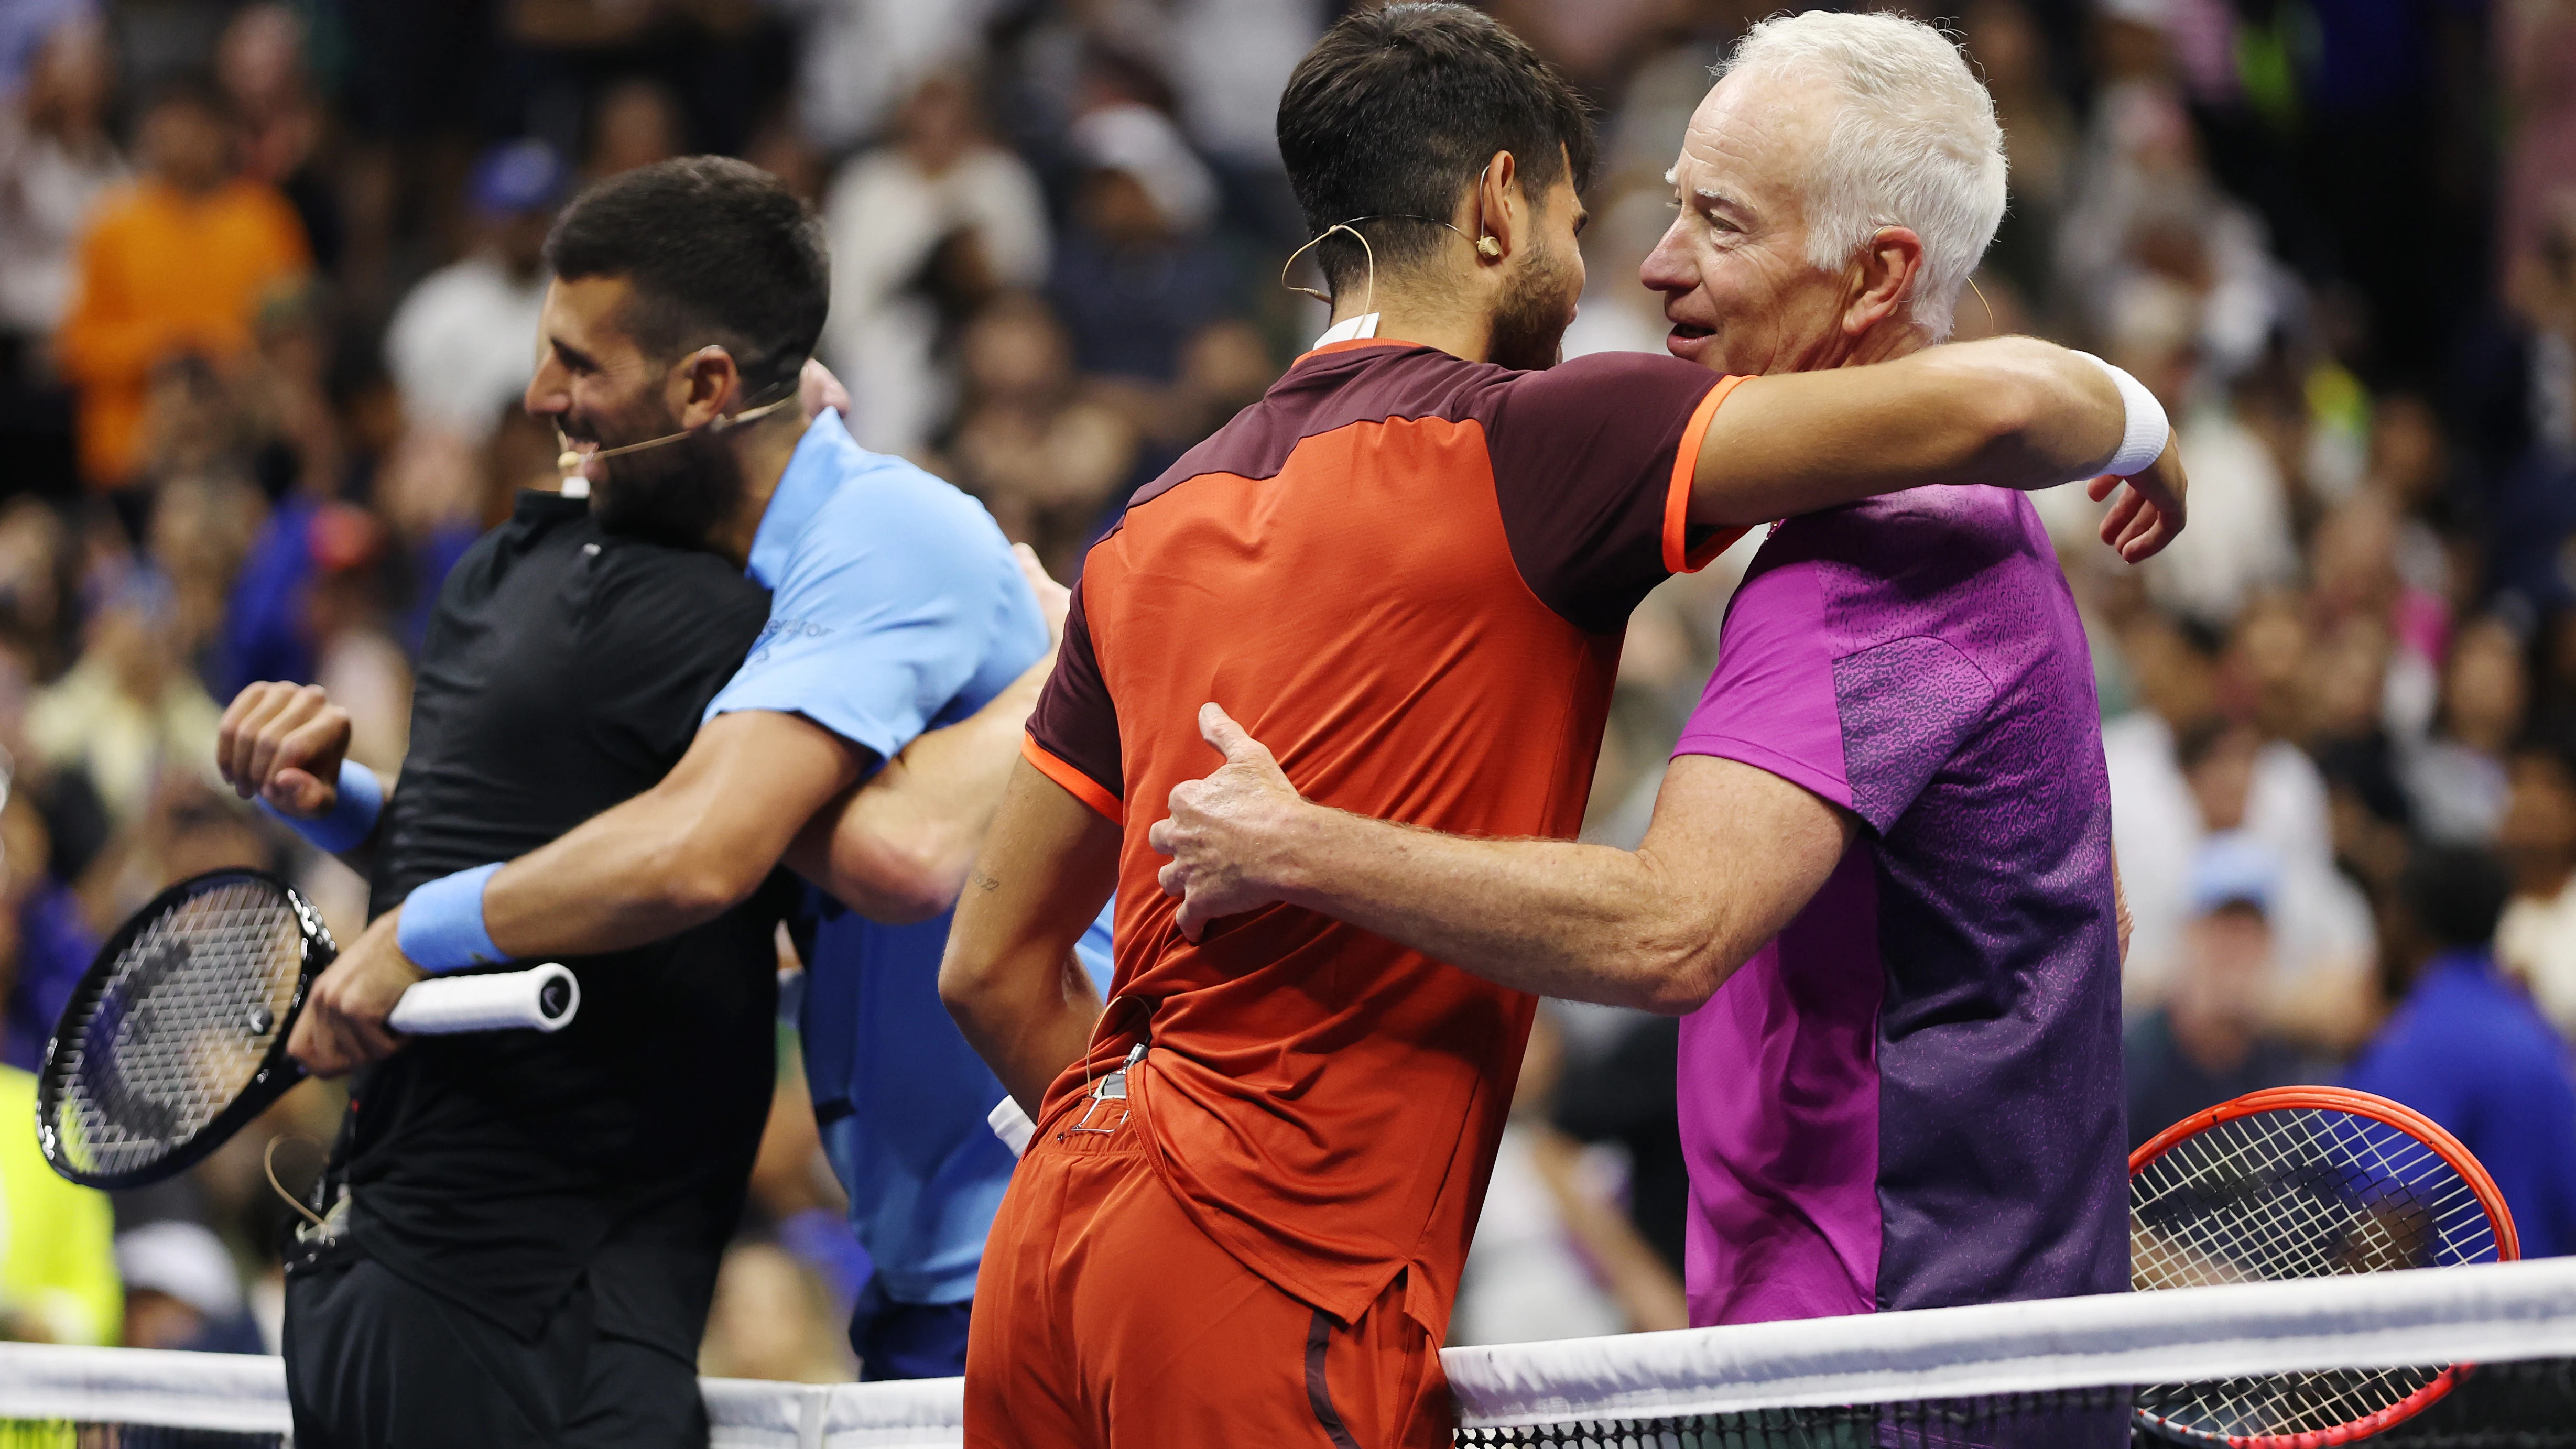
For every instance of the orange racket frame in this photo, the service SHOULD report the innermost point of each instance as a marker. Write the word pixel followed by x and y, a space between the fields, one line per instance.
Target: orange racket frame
pixel 2414 1124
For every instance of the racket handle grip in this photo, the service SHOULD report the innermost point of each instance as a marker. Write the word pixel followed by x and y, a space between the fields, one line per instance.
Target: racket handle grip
pixel 1011 1123
pixel 543 998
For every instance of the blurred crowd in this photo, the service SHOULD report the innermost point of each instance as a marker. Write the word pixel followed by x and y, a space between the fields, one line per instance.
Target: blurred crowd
pixel 269 275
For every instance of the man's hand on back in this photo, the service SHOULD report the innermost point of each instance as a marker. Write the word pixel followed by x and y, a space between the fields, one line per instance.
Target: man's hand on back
pixel 342 1026
pixel 2150 511
pixel 1226 833
pixel 284 743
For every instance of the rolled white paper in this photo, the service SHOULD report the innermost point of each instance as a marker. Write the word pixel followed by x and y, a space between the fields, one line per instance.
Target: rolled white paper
pixel 447 1005
pixel 1008 1123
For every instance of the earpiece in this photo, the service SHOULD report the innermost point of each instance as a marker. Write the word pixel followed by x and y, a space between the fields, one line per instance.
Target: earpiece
pixel 1488 248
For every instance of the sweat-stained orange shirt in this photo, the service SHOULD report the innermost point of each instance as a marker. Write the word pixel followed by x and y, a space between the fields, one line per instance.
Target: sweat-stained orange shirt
pixel 161 274
pixel 1408 575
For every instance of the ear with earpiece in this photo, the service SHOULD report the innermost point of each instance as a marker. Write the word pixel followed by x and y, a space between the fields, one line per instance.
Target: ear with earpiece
pixel 1488 248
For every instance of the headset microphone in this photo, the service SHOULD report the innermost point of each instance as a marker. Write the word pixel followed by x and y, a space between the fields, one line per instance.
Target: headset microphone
pixel 569 461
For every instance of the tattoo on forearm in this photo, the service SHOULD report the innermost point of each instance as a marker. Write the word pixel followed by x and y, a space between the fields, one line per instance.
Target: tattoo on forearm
pixel 985 880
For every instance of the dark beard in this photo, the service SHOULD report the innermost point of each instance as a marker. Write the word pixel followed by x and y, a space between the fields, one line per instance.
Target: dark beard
pixel 1529 321
pixel 676 494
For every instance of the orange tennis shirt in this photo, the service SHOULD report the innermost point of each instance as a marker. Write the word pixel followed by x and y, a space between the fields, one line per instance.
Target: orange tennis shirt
pixel 1408 575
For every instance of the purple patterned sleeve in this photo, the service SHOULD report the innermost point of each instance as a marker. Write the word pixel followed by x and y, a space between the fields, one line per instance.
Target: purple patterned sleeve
pixel 1906 707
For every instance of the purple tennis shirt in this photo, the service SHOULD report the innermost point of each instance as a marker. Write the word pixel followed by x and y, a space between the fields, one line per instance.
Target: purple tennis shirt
pixel 1911 1098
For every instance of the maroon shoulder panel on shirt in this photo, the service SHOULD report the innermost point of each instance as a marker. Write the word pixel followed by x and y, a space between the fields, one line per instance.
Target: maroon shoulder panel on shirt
pixel 1075 720
pixel 1322 391
pixel 1582 453
pixel 1583 464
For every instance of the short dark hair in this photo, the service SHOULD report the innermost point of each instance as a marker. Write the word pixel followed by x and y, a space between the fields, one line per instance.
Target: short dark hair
pixel 1395 111
pixel 718 252
pixel 2456 895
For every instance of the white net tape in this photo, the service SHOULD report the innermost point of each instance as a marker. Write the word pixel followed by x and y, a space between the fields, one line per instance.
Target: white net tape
pixel 2488 1314
pixel 2493 1313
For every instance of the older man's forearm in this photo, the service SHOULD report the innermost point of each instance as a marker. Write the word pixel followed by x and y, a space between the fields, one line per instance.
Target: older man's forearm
pixel 2012 412
pixel 1583 922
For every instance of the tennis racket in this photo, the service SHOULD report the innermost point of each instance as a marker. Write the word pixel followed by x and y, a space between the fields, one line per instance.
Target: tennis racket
pixel 2304 1182
pixel 177 1035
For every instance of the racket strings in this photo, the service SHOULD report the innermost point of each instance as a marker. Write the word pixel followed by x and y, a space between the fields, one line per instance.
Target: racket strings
pixel 2296 1193
pixel 2282 1404
pixel 2301 1193
pixel 178 1028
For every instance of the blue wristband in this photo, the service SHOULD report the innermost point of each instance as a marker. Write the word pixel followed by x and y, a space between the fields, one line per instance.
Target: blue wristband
pixel 442 923
pixel 348 823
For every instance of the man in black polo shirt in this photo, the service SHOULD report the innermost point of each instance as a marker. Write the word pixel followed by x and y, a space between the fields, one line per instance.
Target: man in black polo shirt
pixel 524 1230
pixel 529 1240
pixel 531 1224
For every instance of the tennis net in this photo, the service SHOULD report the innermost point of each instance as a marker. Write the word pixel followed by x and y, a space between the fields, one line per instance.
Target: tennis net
pixel 2298 1358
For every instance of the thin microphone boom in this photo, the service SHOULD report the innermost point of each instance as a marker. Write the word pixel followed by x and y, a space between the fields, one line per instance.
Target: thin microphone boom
pixel 569 461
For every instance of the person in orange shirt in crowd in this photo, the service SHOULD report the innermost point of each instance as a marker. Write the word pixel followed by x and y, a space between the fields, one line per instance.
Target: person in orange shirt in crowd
pixel 172 266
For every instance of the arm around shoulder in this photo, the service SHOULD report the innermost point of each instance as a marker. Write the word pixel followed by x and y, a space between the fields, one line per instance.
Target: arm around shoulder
pixel 2011 412
pixel 897 848
pixel 681 853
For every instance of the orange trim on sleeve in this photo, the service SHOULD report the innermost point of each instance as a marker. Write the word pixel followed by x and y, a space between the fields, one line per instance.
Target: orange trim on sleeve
pixel 1081 786
pixel 1679 556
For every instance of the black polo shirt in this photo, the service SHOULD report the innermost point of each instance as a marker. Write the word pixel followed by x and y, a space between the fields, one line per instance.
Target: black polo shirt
pixel 565 671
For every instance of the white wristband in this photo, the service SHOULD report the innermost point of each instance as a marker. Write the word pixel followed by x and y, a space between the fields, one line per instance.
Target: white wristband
pixel 2143 440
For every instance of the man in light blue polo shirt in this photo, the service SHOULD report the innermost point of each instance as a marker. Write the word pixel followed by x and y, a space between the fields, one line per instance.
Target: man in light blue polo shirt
pixel 878 571
pixel 902 1109
pixel 864 741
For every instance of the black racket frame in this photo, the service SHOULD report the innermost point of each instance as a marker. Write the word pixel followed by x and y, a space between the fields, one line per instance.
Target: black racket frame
pixel 277 1072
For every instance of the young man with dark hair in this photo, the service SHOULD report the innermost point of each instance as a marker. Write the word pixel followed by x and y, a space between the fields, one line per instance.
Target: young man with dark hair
pixel 1255 1176
pixel 896 608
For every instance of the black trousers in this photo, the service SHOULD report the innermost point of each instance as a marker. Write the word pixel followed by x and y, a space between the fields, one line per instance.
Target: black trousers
pixel 373 1362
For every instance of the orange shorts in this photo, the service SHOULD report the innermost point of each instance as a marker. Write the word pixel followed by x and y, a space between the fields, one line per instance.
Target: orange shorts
pixel 1104 1319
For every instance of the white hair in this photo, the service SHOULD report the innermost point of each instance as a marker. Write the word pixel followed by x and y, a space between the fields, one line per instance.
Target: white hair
pixel 1914 144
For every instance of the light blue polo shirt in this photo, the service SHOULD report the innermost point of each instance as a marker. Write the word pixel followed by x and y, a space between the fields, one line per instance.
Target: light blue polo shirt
pixel 895 608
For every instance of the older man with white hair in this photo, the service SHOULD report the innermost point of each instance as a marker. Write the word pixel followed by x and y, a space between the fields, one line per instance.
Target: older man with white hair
pixel 1879 876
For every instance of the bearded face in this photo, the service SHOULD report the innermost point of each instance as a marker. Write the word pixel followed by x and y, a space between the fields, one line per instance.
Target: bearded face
pixel 1536 308
pixel 676 493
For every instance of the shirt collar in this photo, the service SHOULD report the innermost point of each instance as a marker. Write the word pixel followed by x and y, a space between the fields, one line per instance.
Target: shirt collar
pixel 1348 329
pixel 823 457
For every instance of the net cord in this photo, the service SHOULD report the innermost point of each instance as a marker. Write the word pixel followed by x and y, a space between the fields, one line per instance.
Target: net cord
pixel 235 1393
pixel 2480 1313
pixel 244 1393
pixel 2488 1313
